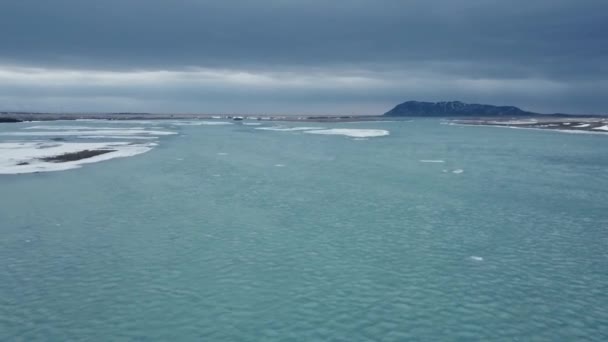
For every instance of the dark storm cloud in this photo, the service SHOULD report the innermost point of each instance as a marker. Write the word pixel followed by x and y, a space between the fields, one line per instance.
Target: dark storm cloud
pixel 473 50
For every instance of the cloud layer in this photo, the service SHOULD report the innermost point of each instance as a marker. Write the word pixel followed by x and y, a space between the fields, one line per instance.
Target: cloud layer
pixel 277 56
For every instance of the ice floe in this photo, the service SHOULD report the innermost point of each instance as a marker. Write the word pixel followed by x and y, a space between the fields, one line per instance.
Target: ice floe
pixel 122 122
pixel 577 131
pixel 602 128
pixel 360 134
pixel 28 157
pixel 115 132
pixel 476 258
pixel 432 161
pixel 581 126
pixel 70 128
pixel 458 171
pixel 135 137
pixel 200 123
pixel 355 133
pixel 288 129
pixel 514 122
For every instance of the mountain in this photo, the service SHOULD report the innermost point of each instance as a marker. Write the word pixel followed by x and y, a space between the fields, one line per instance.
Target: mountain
pixel 454 108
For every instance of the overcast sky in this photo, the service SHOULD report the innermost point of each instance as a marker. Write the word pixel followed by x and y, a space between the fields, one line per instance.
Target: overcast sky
pixel 301 56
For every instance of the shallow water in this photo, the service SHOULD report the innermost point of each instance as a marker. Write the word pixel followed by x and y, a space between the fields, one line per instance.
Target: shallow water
pixel 228 232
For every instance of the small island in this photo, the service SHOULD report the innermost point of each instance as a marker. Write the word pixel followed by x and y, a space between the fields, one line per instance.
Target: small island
pixel 502 116
pixel 454 109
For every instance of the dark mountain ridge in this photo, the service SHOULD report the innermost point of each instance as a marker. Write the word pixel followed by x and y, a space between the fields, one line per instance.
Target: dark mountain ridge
pixel 454 108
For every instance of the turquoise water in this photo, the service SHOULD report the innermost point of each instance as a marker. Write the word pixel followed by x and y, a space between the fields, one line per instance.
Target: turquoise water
pixel 345 240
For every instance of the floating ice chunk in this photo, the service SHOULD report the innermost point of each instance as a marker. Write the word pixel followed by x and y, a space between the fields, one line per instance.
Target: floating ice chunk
pixel 573 131
pixel 222 154
pixel 288 129
pixel 279 165
pixel 458 171
pixel 27 157
pixel 351 132
pixel 581 126
pixel 122 132
pixel 201 123
pixel 68 128
pixel 476 258
pixel 514 122
pixel 432 161
pixel 123 122
pixel 602 128
pixel 115 137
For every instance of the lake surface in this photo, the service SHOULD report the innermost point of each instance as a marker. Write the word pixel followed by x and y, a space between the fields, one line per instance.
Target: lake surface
pixel 234 233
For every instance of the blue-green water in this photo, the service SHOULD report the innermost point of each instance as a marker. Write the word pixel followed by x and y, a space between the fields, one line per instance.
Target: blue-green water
pixel 347 241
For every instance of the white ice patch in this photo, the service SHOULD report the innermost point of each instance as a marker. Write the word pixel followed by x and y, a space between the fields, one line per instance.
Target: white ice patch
pixel 288 129
pixel 432 161
pixel 602 128
pixel 572 131
pixel 581 126
pixel 115 137
pixel 200 123
pixel 458 171
pixel 123 122
pixel 355 133
pixel 115 132
pixel 279 165
pixel 476 258
pixel 68 128
pixel 29 154
pixel 514 122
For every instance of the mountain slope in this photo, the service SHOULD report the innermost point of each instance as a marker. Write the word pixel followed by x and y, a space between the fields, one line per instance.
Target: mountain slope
pixel 454 108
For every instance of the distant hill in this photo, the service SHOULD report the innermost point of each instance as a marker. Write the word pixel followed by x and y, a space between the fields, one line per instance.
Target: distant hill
pixel 454 108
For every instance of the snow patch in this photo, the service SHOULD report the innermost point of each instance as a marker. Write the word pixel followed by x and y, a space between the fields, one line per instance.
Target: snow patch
pixel 26 157
pixel 288 129
pixel 355 133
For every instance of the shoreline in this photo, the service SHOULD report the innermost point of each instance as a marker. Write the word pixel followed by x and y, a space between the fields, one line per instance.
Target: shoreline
pixel 586 125
pixel 15 117
pixel 568 124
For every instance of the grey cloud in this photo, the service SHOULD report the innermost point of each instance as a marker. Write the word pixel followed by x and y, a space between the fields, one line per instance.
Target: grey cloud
pixel 549 47
pixel 211 91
